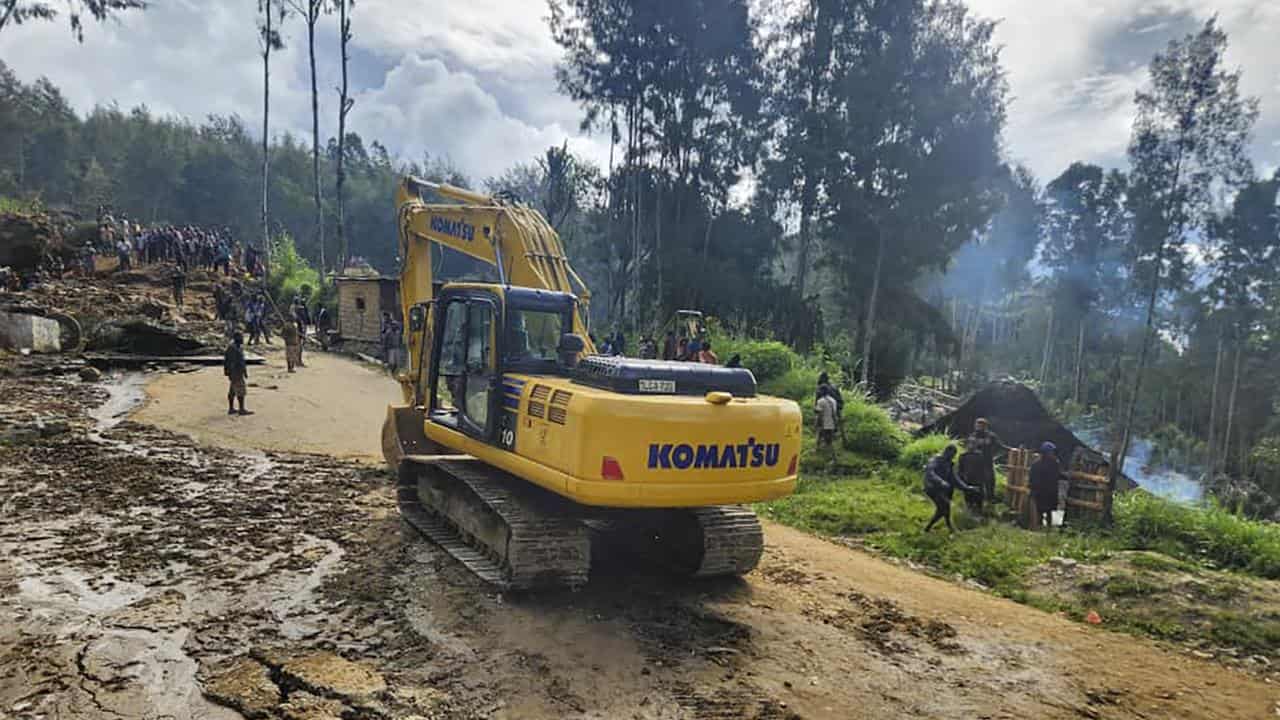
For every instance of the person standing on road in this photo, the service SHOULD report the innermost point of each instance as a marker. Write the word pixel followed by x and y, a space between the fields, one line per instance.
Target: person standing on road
pixel 825 413
pixel 292 345
pixel 322 326
pixel 1044 482
pixel 236 369
pixel 940 482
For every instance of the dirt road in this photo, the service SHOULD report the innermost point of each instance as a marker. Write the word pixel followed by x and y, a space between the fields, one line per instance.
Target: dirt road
pixel 145 575
pixel 342 401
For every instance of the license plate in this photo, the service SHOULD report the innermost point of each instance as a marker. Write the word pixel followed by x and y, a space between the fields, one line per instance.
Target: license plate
pixel 657 386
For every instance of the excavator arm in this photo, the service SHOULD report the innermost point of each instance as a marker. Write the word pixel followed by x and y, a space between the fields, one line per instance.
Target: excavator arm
pixel 514 239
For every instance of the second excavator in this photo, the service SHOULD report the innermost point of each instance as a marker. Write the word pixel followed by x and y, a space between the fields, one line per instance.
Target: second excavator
pixel 518 447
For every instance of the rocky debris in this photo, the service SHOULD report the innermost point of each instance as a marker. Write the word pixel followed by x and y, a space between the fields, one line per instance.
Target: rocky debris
pixel 90 374
pixel 31 241
pixel 244 685
pixel 144 337
pixel 28 430
pixel 915 405
pixel 334 676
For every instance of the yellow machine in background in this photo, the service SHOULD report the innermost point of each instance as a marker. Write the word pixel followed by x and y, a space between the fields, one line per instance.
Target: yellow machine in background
pixel 518 445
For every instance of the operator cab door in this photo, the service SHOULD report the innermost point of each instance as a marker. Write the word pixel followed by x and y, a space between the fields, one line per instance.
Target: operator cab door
pixel 464 386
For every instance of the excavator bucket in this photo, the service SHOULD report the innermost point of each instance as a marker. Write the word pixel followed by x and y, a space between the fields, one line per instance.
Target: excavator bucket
pixel 402 435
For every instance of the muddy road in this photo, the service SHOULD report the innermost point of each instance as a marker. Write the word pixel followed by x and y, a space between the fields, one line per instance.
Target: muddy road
pixel 147 574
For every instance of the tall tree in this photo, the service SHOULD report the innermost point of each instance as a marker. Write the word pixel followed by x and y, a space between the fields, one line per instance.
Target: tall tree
pixel 1247 262
pixel 345 104
pixel 271 14
pixel 1086 225
pixel 918 117
pixel 16 12
pixel 679 85
pixel 1189 139
pixel 311 10
pixel 801 97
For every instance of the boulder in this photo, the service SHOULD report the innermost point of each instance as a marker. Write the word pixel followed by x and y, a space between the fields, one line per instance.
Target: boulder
pixel 19 331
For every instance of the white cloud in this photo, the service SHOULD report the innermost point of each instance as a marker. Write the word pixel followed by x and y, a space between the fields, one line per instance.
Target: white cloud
pixel 474 79
pixel 425 107
pixel 1072 77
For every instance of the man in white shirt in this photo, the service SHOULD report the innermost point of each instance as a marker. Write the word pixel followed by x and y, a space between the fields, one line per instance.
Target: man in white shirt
pixel 826 414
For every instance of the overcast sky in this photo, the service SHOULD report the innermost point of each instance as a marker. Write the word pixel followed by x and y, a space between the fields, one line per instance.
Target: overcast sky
pixel 474 79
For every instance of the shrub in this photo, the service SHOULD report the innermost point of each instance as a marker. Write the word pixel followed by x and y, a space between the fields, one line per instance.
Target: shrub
pixel 1227 540
pixel 289 270
pixel 798 383
pixel 868 429
pixel 918 452
pixel 766 359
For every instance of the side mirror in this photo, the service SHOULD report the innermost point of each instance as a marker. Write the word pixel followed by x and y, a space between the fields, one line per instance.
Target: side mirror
pixel 570 347
pixel 417 317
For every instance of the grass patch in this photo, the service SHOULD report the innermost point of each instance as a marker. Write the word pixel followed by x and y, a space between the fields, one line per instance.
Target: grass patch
pixel 889 509
pixel 1210 536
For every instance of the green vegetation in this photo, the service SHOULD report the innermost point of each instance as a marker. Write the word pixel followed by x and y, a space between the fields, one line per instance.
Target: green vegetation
pixel 919 451
pixel 290 272
pixel 1211 536
pixel 768 360
pixel 869 430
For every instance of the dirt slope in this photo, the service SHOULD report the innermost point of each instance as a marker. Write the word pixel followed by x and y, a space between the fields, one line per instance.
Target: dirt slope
pixel 144 574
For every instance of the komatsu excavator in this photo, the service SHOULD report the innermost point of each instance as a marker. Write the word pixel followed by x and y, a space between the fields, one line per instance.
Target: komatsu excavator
pixel 518 447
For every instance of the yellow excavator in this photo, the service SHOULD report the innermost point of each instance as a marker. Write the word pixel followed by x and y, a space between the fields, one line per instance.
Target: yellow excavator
pixel 518 446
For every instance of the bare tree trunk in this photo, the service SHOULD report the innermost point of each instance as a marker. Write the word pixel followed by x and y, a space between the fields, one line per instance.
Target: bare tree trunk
pixel 1212 447
pixel 1048 349
pixel 344 106
pixel 266 134
pixel 870 329
pixel 1231 400
pixel 1079 379
pixel 1117 459
pixel 313 16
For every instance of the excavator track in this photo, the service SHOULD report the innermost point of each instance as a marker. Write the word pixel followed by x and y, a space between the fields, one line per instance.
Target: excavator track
pixel 699 542
pixel 511 535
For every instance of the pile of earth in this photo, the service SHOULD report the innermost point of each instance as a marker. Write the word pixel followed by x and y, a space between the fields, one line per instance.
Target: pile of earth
pixel 30 241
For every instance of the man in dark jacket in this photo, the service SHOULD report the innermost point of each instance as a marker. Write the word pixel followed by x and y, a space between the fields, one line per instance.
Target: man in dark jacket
pixel 972 470
pixel 1044 482
pixel 989 445
pixel 236 369
pixel 940 482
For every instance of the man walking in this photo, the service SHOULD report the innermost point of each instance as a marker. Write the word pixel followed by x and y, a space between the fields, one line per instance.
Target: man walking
pixel 237 372
pixel 940 482
pixel 825 415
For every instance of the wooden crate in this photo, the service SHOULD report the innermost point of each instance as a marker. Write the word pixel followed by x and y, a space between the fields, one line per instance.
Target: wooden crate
pixel 1017 493
pixel 1087 490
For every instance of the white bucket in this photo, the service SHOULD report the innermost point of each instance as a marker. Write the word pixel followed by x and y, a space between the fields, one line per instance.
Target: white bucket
pixel 1056 517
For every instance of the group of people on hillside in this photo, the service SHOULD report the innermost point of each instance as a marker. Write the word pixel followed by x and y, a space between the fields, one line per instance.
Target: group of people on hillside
pixel 186 246
pixel 974 475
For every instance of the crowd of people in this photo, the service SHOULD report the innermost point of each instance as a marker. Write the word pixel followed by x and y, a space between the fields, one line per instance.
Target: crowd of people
pixel 696 348
pixel 186 246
